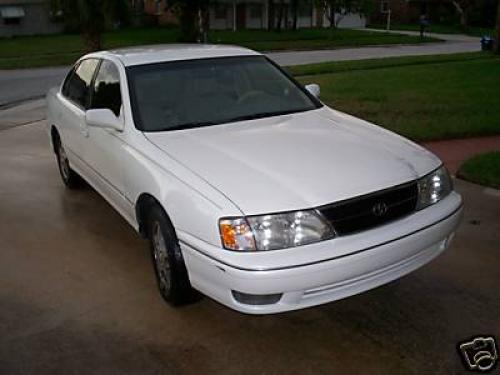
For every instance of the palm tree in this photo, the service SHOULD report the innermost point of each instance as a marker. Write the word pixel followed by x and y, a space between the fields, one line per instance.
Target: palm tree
pixel 91 17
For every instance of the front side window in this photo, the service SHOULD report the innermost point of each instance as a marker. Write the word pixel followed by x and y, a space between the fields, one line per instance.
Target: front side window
pixel 77 86
pixel 107 92
pixel 12 14
pixel 186 94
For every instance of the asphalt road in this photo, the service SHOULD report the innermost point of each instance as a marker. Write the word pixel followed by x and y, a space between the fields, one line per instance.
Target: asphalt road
pixel 77 295
pixel 23 84
pixel 20 85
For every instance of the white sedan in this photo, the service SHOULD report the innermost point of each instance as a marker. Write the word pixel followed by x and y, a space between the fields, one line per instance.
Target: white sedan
pixel 248 187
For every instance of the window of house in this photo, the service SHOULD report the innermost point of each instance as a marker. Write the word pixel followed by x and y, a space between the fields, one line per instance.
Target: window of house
pixel 158 7
pixel 220 11
pixel 256 11
pixel 77 85
pixel 12 15
pixel 12 21
pixel 106 93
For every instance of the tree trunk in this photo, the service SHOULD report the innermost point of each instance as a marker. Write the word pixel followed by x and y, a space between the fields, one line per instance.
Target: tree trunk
pixel 338 20
pixel 463 14
pixel 463 21
pixel 295 11
pixel 497 31
pixel 188 22
pixel 204 21
pixel 280 15
pixel 332 17
pixel 270 15
pixel 92 41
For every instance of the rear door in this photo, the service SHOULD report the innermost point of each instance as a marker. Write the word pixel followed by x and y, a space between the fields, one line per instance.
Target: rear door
pixel 75 98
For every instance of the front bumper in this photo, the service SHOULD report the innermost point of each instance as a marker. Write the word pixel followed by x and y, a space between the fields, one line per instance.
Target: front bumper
pixel 326 271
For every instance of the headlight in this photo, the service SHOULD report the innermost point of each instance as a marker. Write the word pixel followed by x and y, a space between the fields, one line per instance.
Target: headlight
pixel 276 231
pixel 433 187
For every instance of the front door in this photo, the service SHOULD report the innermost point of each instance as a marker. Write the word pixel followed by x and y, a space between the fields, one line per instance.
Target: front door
pixel 105 147
pixel 75 95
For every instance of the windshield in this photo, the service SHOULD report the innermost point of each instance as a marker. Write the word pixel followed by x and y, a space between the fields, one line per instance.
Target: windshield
pixel 186 94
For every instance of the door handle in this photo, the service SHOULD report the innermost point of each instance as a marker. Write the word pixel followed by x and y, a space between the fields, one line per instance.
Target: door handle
pixel 84 129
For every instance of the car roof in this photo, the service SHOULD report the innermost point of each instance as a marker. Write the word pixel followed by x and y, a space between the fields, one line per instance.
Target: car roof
pixel 172 52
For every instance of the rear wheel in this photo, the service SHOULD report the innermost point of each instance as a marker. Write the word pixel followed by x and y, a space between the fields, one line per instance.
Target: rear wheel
pixel 170 269
pixel 70 178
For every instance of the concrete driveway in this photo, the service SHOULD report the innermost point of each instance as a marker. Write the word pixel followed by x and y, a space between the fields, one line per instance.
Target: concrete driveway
pixel 77 295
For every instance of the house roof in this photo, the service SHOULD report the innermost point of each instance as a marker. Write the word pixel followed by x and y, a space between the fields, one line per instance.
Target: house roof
pixel 174 52
pixel 20 2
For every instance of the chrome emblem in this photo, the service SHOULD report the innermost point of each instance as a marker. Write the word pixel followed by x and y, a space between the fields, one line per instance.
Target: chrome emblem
pixel 379 209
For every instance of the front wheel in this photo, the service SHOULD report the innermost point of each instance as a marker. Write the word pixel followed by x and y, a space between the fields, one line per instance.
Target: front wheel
pixel 170 270
pixel 70 178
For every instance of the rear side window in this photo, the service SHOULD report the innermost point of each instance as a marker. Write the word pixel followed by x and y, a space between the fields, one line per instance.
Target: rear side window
pixel 77 86
pixel 107 92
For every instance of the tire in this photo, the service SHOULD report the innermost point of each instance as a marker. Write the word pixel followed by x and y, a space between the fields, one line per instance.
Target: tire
pixel 170 270
pixel 70 178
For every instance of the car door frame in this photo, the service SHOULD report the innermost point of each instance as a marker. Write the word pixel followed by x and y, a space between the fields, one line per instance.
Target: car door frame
pixel 73 128
pixel 106 165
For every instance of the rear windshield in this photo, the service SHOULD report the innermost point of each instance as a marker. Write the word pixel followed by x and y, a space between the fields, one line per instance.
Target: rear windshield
pixel 186 94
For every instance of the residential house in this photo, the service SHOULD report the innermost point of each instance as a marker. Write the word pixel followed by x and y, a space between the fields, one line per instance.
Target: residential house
pixel 26 17
pixel 254 14
pixel 409 11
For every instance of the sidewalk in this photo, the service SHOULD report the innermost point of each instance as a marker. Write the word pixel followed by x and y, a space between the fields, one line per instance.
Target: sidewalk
pixel 453 43
pixel 454 152
pixel 22 114
pixel 445 37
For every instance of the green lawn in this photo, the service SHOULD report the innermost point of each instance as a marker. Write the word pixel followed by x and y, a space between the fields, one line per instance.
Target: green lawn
pixel 483 169
pixel 305 39
pixel 423 98
pixel 437 28
pixel 25 52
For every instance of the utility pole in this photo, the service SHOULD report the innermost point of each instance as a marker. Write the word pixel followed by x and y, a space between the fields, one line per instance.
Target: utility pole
pixel 497 31
pixel 234 15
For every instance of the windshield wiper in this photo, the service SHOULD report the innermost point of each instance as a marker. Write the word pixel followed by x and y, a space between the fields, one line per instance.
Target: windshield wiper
pixel 233 119
pixel 265 114
pixel 190 125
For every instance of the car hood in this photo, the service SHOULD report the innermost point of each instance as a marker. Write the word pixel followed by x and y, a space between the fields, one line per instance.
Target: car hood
pixel 296 161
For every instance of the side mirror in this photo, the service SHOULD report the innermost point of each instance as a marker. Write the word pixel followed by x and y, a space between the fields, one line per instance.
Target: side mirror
pixel 103 118
pixel 314 89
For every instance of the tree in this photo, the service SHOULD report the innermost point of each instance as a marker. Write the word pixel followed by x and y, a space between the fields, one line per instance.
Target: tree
pixel 271 15
pixel 295 13
pixel 193 18
pixel 281 11
pixel 336 10
pixel 497 31
pixel 91 17
pixel 463 8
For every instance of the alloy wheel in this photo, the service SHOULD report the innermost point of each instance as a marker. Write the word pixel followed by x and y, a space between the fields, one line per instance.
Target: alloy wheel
pixel 160 255
pixel 63 162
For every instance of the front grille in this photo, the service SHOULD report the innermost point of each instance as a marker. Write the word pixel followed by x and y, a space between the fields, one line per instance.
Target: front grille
pixel 371 210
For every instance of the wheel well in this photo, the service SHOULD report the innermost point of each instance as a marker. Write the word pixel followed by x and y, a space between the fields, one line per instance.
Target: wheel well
pixel 54 136
pixel 144 204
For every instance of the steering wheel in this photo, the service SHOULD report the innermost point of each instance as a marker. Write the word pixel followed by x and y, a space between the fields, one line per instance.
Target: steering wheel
pixel 252 94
